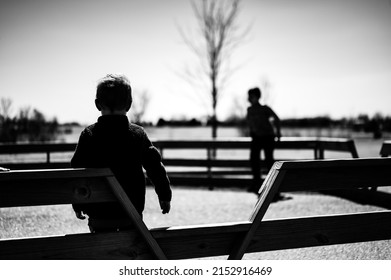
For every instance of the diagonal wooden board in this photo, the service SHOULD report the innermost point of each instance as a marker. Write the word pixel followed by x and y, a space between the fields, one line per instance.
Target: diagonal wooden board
pixel 135 217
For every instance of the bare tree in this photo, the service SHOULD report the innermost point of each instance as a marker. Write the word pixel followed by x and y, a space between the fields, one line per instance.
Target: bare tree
pixel 220 33
pixel 140 104
pixel 5 108
pixel 267 88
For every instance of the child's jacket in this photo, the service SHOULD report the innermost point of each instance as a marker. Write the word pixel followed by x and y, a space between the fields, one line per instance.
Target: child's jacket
pixel 123 147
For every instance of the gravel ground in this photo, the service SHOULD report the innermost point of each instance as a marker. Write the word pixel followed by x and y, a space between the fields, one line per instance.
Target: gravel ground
pixel 201 206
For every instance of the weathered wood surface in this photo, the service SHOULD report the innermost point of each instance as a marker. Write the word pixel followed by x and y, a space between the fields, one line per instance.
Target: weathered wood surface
pixel 49 187
pixel 208 240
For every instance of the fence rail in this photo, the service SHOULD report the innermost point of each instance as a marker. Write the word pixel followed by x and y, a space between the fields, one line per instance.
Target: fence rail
pixel 210 170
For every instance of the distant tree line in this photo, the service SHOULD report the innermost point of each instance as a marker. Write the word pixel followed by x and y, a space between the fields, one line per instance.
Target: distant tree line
pixel 184 122
pixel 27 125
pixel 362 123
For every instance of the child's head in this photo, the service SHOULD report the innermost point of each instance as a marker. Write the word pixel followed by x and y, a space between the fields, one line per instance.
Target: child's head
pixel 113 94
pixel 254 95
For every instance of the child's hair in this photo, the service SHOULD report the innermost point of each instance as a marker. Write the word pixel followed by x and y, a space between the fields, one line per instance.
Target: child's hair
pixel 114 92
pixel 255 92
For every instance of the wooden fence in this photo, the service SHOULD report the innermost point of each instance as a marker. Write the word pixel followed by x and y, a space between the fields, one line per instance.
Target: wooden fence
pixel 22 188
pixel 205 170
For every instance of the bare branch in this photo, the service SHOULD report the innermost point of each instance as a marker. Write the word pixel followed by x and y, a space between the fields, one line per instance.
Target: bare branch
pixel 220 35
pixel 5 108
pixel 139 107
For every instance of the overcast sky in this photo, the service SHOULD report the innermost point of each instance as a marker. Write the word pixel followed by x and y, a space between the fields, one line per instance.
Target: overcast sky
pixel 319 57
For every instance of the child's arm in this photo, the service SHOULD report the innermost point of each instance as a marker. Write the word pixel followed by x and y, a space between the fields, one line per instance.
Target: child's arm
pixel 82 155
pixel 79 160
pixel 277 123
pixel 156 171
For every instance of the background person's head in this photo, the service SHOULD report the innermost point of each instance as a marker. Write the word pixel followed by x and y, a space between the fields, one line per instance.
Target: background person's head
pixel 113 94
pixel 254 95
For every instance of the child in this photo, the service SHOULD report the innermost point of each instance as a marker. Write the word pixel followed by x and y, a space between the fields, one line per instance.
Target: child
pixel 123 147
pixel 259 118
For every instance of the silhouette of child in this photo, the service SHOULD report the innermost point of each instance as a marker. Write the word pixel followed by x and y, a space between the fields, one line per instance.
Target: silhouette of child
pixel 263 134
pixel 125 148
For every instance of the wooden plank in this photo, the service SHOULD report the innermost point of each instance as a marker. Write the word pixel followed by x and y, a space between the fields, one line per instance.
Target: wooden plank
pixel 27 175
pixel 36 148
pixel 244 143
pixel 334 145
pixel 221 143
pixel 285 234
pixel 49 187
pixel 268 190
pixel 54 191
pixel 36 165
pixel 386 149
pixel 295 143
pixel 205 181
pixel 339 146
pixel 336 174
pixel 334 179
pixel 135 217
pixel 206 162
pixel 240 172
pixel 235 143
pixel 337 163
pixel 103 246
pixel 322 230
pixel 206 241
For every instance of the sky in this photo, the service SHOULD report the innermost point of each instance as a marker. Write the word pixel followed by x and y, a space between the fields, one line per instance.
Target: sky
pixel 317 57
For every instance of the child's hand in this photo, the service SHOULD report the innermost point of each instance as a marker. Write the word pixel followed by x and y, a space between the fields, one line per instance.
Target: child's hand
pixel 165 206
pixel 80 215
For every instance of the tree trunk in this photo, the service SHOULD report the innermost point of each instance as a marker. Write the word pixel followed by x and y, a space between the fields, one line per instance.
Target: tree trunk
pixel 214 114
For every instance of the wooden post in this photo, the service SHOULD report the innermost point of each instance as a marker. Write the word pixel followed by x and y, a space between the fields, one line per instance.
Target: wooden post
pixel 210 157
pixel 353 149
pixel 267 192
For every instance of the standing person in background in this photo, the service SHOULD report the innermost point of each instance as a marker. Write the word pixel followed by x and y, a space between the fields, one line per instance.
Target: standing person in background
pixel 264 126
pixel 123 147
